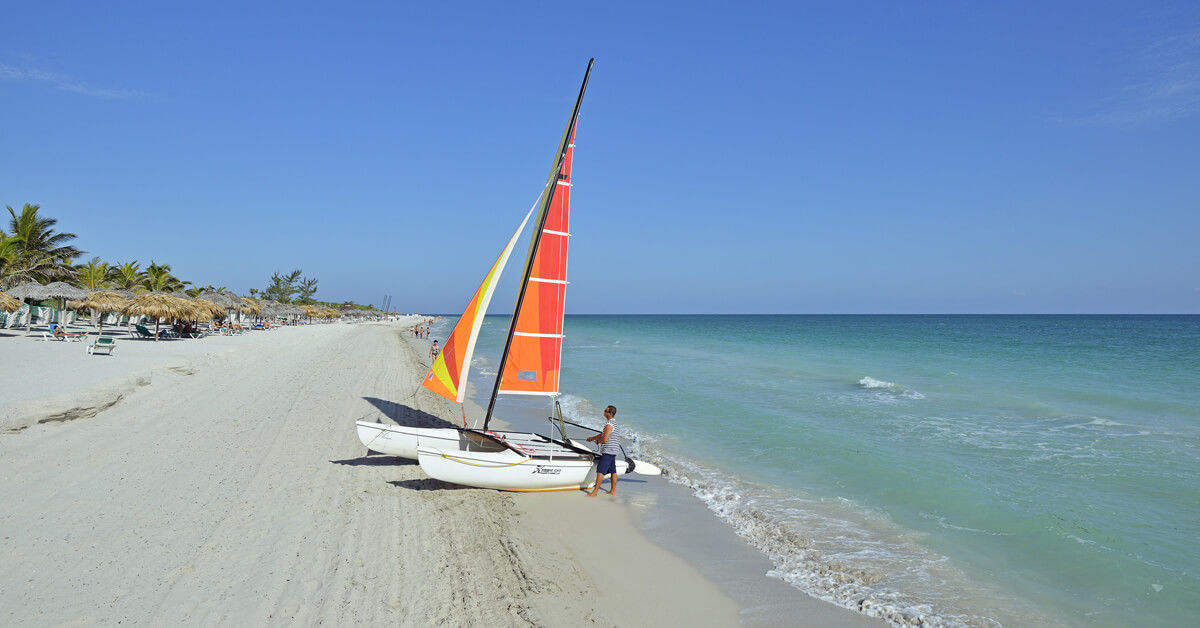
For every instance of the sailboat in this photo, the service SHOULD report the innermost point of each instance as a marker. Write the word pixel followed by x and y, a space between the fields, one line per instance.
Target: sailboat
pixel 529 365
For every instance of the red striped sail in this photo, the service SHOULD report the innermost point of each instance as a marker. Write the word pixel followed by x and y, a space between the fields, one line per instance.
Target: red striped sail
pixel 535 353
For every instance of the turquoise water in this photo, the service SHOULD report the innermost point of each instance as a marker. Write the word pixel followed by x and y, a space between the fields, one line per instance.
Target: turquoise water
pixel 978 470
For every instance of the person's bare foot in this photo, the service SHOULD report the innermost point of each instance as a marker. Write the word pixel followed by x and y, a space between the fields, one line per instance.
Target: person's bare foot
pixel 592 494
pixel 612 492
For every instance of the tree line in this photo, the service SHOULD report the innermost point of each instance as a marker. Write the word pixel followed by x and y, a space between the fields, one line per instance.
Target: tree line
pixel 31 249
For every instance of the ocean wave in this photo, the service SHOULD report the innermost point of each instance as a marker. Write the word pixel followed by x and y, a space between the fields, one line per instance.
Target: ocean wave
pixel 583 412
pixel 849 566
pixel 943 523
pixel 891 389
pixel 843 561
pixel 871 382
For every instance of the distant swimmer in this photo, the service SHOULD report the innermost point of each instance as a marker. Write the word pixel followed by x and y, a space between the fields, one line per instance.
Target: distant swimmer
pixel 610 446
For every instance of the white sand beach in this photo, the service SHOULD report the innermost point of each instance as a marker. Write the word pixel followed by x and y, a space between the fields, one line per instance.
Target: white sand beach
pixel 220 481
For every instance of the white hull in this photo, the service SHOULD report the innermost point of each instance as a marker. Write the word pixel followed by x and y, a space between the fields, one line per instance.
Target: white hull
pixel 506 470
pixel 400 440
pixel 403 441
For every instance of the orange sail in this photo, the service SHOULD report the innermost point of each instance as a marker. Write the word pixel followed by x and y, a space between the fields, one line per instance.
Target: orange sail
pixel 448 375
pixel 535 352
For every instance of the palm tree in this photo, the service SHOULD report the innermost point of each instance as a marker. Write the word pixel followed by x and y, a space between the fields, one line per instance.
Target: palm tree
pixel 196 291
pixel 127 276
pixel 32 251
pixel 9 251
pixel 92 275
pixel 160 279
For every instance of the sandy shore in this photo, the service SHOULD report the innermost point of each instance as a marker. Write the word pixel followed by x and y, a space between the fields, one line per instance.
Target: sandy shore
pixel 220 481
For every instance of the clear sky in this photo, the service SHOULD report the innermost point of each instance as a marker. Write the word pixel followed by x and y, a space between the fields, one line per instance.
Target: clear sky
pixel 873 157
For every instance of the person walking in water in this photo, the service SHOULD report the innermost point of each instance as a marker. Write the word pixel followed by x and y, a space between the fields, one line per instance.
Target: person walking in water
pixel 610 446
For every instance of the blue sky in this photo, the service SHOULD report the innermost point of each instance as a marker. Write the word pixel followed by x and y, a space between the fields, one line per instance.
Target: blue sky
pixel 871 157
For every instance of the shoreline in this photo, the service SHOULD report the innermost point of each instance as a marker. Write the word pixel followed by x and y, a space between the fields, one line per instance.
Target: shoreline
pixel 231 487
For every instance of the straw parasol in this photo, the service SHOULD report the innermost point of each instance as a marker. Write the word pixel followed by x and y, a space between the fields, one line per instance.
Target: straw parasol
pixel 158 305
pixel 228 302
pixel 33 291
pixel 269 307
pixel 212 310
pixel 249 307
pixel 9 304
pixel 104 302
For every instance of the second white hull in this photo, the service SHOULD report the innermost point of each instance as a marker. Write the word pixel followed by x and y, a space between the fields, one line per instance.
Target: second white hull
pixel 400 440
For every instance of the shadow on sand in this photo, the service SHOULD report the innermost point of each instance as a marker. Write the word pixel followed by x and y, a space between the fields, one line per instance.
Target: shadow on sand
pixel 408 416
pixel 375 460
pixel 429 484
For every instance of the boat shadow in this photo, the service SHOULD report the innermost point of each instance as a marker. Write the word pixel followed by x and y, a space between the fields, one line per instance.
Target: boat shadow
pixel 375 460
pixel 409 416
pixel 430 484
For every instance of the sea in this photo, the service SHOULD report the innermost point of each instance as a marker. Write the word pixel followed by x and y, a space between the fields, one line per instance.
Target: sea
pixel 944 470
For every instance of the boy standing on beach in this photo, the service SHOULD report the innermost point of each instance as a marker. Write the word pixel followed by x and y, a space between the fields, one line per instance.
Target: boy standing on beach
pixel 610 446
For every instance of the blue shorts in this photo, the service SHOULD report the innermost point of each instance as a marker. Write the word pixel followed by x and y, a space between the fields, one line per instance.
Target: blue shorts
pixel 607 464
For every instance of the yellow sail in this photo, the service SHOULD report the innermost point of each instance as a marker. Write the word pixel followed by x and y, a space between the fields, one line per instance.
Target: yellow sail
pixel 448 375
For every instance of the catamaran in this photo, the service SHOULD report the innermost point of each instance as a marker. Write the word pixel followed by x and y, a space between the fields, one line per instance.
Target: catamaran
pixel 529 365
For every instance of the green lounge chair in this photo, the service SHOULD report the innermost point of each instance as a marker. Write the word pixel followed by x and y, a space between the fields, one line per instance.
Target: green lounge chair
pixel 102 344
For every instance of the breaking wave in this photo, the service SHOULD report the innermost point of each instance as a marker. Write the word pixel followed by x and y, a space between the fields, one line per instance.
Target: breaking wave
pixel 888 388
pixel 835 559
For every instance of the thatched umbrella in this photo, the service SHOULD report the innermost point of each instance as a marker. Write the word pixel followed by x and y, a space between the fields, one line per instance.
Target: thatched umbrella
pixel 269 308
pixel 103 302
pixel 63 291
pixel 26 292
pixel 227 301
pixel 9 304
pixel 158 305
pixel 212 310
pixel 249 307
pixel 33 291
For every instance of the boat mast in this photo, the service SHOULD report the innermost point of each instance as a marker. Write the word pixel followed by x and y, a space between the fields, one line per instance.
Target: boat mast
pixel 547 198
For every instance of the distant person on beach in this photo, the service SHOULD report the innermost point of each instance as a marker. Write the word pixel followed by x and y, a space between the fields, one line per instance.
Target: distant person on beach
pixel 610 446
pixel 57 330
pixel 433 350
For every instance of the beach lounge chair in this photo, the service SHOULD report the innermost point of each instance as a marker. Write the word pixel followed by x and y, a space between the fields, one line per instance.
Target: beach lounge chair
pixel 46 336
pixel 141 333
pixel 103 344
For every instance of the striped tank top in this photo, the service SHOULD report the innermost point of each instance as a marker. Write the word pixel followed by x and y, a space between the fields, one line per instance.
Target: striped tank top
pixel 613 444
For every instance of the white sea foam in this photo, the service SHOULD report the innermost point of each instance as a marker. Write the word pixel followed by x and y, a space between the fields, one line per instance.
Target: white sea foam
pixel 871 382
pixel 888 391
pixel 833 559
pixel 943 523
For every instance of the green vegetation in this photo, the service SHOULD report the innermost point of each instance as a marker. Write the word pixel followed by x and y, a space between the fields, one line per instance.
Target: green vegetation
pixel 32 250
pixel 293 287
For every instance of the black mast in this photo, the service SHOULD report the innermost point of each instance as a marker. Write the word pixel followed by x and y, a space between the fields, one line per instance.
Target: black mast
pixel 547 198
